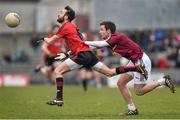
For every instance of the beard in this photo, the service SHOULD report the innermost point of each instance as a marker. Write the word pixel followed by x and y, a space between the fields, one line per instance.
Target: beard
pixel 60 20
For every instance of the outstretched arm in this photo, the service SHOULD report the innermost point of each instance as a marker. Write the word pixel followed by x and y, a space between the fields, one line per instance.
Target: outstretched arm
pixel 51 39
pixel 92 47
pixel 97 43
pixel 44 47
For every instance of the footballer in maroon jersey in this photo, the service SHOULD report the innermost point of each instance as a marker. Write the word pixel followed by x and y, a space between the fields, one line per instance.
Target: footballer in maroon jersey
pixel 124 46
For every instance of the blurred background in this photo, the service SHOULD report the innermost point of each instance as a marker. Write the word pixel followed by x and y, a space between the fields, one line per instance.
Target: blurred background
pixel 153 24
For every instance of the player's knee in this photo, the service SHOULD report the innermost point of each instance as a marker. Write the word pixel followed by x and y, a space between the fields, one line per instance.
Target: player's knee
pixel 57 73
pixel 139 91
pixel 121 83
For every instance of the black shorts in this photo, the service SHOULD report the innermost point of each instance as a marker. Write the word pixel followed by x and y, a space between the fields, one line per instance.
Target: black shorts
pixel 86 58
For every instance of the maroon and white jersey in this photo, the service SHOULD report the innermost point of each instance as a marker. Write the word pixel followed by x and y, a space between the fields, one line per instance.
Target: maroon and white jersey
pixel 121 44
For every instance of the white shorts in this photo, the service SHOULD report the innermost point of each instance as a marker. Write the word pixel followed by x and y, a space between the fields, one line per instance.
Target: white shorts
pixel 139 78
pixel 73 65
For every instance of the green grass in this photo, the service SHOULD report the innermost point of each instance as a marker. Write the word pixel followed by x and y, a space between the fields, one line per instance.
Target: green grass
pixel 17 102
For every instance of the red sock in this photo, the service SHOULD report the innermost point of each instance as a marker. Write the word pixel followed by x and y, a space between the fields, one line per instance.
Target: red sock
pixel 59 85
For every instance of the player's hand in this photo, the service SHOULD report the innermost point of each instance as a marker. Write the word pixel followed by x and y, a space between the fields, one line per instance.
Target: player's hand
pixel 61 56
pixel 46 40
pixel 115 54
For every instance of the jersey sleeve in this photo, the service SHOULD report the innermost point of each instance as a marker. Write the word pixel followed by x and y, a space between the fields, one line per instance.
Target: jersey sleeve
pixel 62 32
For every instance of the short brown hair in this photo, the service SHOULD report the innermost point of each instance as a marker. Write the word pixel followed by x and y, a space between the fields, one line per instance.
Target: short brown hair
pixel 109 25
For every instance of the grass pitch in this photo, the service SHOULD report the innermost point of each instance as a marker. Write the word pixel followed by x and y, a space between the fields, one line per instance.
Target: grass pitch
pixel 29 102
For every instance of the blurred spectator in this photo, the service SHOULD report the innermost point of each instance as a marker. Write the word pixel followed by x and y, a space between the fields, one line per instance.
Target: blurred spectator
pixel 7 58
pixel 176 36
pixel 178 58
pixel 152 44
pixel 144 40
pixel 175 56
pixel 159 36
pixel 134 35
pixel 163 63
pixel 165 45
pixel 21 55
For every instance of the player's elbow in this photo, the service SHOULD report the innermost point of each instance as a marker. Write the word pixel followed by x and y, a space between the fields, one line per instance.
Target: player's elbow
pixel 58 73
pixel 55 37
pixel 44 46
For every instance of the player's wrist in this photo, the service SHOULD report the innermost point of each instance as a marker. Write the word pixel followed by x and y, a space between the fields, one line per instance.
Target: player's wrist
pixel 46 40
pixel 62 56
pixel 69 53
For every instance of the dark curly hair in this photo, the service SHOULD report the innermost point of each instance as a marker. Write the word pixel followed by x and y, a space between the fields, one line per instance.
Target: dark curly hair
pixel 70 13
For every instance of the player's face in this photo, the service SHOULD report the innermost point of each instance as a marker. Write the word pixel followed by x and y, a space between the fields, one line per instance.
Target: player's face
pixel 61 16
pixel 103 33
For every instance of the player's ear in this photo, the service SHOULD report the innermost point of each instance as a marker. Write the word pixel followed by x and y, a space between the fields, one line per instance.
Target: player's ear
pixel 66 17
pixel 109 31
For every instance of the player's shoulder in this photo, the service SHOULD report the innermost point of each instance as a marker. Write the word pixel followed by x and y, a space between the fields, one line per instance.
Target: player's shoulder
pixel 65 27
pixel 70 24
pixel 118 34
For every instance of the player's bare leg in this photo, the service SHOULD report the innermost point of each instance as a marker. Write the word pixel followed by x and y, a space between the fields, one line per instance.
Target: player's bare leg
pixel 98 76
pixel 122 82
pixel 48 73
pixel 143 89
pixel 45 71
pixel 126 94
pixel 140 89
pixel 58 72
pixel 106 70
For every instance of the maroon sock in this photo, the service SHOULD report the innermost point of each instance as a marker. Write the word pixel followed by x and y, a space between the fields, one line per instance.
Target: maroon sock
pixel 59 85
pixel 123 69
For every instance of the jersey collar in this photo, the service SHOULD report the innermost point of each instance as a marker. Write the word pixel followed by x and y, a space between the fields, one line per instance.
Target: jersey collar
pixel 108 38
